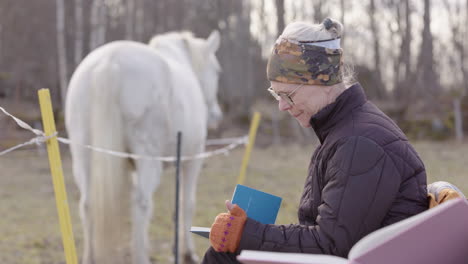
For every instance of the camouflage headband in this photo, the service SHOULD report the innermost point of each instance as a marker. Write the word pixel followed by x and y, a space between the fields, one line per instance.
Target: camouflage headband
pixel 304 63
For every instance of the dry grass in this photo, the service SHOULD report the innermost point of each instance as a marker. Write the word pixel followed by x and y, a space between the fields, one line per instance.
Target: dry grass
pixel 29 229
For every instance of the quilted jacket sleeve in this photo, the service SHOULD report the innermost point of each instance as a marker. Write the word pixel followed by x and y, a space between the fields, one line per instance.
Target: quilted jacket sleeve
pixel 360 185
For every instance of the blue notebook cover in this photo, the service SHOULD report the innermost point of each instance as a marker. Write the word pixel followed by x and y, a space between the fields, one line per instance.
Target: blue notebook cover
pixel 258 205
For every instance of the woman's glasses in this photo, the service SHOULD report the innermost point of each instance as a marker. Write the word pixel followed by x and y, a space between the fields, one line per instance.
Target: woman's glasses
pixel 285 96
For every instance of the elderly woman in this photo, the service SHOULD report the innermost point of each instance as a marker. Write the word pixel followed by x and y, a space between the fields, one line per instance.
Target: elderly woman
pixel 364 175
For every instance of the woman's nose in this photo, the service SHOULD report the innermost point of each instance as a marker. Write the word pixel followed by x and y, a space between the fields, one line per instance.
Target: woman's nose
pixel 283 105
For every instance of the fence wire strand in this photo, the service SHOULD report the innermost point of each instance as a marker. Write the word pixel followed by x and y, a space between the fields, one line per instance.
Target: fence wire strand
pixel 41 138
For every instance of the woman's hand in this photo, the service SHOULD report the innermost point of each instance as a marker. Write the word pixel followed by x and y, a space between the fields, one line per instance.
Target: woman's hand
pixel 227 228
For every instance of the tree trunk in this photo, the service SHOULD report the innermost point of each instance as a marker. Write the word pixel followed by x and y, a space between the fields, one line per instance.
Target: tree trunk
pixel 427 80
pixel 161 24
pixel 458 37
pixel 402 66
pixel 78 31
pixel 465 41
pixel 102 25
pixel 179 12
pixel 61 49
pixel 280 15
pixel 280 24
pixel 379 89
pixel 397 89
pixel 1 44
pixel 139 19
pixel 406 50
pixel 94 23
pixel 318 14
pixel 250 82
pixel 98 24
pixel 129 22
pixel 458 42
pixel 294 10
pixel 342 7
pixel 263 24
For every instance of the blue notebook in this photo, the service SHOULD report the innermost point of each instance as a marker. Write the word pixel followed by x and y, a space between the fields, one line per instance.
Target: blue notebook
pixel 258 205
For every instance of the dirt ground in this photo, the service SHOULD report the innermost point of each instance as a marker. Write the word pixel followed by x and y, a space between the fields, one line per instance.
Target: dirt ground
pixel 29 229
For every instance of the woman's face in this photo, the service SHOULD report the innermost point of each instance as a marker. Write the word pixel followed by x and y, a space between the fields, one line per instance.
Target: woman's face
pixel 307 100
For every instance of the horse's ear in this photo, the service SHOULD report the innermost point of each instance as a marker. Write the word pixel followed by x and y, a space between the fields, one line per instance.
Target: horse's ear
pixel 213 40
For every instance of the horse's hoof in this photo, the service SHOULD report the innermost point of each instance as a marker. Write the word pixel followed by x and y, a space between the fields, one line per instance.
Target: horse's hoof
pixel 191 259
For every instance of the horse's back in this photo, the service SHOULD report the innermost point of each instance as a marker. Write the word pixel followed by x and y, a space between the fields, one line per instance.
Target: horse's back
pixel 120 65
pixel 131 57
pixel 153 92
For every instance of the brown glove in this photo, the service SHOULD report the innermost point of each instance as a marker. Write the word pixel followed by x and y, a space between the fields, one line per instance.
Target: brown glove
pixel 226 231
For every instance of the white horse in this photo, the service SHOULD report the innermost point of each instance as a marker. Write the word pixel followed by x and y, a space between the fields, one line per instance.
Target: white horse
pixel 131 97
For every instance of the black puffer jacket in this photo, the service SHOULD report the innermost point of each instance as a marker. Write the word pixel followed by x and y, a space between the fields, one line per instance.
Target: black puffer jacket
pixel 363 176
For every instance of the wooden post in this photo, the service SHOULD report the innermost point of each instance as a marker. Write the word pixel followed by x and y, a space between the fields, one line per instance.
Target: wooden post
pixel 252 133
pixel 57 177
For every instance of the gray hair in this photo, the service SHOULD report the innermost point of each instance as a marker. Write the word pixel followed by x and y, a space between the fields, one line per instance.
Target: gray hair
pixel 328 29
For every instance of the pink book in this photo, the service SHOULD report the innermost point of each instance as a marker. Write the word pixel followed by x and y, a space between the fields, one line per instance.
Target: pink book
pixel 438 235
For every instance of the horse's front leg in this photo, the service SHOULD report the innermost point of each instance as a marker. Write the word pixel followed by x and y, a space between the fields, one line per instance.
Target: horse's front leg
pixel 191 170
pixel 148 175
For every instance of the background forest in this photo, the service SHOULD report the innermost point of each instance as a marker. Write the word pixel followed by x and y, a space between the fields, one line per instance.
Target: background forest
pixel 409 55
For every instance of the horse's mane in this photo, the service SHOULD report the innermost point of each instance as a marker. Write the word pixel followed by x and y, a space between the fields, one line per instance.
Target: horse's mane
pixel 172 35
pixel 194 46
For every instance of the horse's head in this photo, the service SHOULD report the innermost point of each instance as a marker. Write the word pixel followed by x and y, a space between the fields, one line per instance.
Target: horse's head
pixel 207 69
pixel 204 63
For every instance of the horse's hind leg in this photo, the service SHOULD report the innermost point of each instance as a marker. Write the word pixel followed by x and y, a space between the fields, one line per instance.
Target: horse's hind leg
pixel 191 170
pixel 147 178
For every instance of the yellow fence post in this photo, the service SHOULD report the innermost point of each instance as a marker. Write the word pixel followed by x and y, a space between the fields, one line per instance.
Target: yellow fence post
pixel 57 177
pixel 252 134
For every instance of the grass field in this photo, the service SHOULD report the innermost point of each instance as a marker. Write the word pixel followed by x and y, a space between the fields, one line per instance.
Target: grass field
pixel 29 230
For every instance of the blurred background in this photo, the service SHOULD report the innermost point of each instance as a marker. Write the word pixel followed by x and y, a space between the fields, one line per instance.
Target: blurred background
pixel 409 55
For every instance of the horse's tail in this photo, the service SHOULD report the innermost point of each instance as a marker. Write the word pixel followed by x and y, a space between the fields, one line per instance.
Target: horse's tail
pixel 110 175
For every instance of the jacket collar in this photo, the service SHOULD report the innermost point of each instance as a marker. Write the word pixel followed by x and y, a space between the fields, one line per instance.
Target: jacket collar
pixel 324 121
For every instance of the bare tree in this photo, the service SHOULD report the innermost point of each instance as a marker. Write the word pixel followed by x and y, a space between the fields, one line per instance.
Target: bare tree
pixel 263 22
pixel 395 28
pixel 318 11
pixel 378 91
pixel 405 44
pixel 401 35
pixel 139 19
pixel 98 25
pixel 61 49
pixel 249 67
pixel 130 19
pixel 79 31
pixel 458 37
pixel 343 8
pixel 1 42
pixel 280 24
pixel 427 80
pixel 466 43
